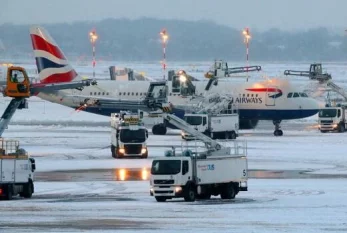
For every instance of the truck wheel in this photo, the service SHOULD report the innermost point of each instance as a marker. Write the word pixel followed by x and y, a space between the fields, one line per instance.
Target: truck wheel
pixel 205 196
pixel 113 151
pixel 190 194
pixel 28 190
pixel 160 199
pixel 228 191
pixel 9 192
pixel 341 128
pixel 232 135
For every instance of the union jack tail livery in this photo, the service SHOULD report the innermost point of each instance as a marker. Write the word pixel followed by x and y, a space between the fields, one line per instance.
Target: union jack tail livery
pixel 52 65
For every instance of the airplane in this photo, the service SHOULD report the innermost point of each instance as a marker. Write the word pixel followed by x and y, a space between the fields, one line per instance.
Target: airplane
pixel 271 99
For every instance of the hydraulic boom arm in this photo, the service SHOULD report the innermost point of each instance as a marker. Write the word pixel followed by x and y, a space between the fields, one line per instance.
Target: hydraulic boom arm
pixel 181 124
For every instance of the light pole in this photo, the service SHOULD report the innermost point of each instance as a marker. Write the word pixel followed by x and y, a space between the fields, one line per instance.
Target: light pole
pixel 247 36
pixel 164 38
pixel 93 37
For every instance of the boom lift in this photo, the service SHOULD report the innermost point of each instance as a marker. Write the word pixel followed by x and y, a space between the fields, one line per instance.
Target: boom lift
pixel 18 87
pixel 315 73
pixel 220 69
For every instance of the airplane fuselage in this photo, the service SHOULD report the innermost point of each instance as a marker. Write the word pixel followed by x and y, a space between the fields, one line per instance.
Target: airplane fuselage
pixel 266 100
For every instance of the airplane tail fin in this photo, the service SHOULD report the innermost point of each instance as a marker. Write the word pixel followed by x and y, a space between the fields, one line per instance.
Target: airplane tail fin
pixel 52 65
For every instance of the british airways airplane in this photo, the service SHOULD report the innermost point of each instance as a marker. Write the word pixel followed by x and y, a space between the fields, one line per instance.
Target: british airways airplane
pixel 272 99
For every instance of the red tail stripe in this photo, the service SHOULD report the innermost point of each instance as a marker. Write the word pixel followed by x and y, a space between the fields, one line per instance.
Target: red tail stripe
pixel 59 78
pixel 40 44
pixel 270 89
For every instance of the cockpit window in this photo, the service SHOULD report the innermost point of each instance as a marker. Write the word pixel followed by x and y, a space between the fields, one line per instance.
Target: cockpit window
pixel 290 94
pixel 295 95
pixel 302 94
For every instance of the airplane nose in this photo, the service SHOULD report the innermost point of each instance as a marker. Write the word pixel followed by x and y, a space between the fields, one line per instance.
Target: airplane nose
pixel 310 108
pixel 314 105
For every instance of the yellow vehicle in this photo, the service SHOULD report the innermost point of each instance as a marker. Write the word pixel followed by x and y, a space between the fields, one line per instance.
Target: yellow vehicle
pixel 18 83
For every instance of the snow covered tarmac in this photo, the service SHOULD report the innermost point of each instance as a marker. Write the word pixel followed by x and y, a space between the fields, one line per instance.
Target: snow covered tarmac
pixel 280 201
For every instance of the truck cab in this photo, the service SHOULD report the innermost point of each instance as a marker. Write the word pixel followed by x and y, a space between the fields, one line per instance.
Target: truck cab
pixel 332 118
pixel 128 136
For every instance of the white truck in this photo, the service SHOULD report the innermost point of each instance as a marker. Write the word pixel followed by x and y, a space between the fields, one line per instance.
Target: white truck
pixel 216 126
pixel 16 169
pixel 333 118
pixel 128 136
pixel 218 170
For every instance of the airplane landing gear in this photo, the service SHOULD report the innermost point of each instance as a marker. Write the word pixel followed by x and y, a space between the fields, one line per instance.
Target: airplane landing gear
pixel 278 131
pixel 159 129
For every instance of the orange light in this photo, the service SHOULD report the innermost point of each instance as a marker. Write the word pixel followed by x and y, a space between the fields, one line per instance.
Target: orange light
pixel 144 174
pixel 246 34
pixel 122 174
pixel 164 36
pixel 93 36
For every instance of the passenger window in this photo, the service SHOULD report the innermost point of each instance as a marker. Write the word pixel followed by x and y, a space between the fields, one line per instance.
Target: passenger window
pixel 296 95
pixel 128 93
pixel 94 93
pixel 290 94
pixel 91 93
pixel 137 93
pixel 185 167
pixel 103 93
pixel 99 93
pixel 338 112
pixel 120 93
pixel 132 93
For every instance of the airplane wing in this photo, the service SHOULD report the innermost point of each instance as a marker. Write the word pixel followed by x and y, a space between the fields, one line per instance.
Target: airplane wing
pixel 108 102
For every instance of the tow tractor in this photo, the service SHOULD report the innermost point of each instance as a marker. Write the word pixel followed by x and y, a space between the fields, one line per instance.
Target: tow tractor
pixel 129 136
pixel 192 173
pixel 16 167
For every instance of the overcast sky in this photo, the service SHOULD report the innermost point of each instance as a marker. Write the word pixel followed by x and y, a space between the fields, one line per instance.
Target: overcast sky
pixel 259 14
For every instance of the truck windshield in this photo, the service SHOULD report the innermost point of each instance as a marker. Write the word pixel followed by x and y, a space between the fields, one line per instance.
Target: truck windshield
pixel 327 113
pixel 166 167
pixel 136 136
pixel 193 120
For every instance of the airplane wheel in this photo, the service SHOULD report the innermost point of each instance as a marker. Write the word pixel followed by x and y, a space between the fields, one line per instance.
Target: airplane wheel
pixel 162 130
pixel 155 129
pixel 278 132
